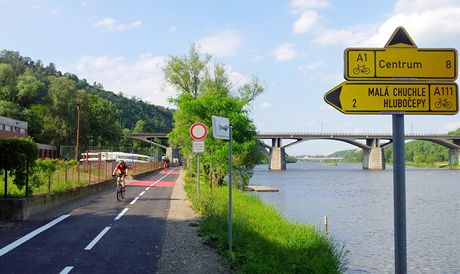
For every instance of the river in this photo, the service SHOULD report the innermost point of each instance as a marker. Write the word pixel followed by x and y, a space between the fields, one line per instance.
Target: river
pixel 359 207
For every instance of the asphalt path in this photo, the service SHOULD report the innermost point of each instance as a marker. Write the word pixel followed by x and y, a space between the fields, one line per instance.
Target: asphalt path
pixel 101 235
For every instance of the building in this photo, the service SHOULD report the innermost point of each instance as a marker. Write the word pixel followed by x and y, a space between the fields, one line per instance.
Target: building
pixel 15 128
pixel 12 128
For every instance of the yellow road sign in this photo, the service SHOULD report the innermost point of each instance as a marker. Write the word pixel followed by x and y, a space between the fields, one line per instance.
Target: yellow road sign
pixel 400 62
pixel 394 97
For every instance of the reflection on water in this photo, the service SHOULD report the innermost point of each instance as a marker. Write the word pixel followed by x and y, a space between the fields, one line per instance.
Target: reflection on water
pixel 359 206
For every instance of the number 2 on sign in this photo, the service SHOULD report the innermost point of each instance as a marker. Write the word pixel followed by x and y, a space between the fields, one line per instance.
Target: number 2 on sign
pixel 354 103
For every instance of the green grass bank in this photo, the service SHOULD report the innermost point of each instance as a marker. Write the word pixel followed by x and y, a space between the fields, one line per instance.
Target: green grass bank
pixel 263 240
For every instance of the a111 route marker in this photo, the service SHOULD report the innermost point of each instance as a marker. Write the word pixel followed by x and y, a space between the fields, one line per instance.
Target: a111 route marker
pixel 353 97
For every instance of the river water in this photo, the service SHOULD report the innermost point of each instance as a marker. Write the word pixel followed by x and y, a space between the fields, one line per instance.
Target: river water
pixel 359 207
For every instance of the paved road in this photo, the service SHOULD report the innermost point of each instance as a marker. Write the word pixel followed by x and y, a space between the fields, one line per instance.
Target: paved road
pixel 99 236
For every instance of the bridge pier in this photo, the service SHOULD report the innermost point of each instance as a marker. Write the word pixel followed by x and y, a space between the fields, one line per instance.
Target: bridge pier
pixel 373 158
pixel 173 155
pixel 277 159
pixel 277 156
pixel 454 156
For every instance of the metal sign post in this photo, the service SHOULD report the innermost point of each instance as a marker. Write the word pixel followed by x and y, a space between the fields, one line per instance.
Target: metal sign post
pixel 399 194
pixel 223 130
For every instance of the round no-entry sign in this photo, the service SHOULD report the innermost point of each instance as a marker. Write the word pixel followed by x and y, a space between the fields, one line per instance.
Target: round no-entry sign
pixel 198 131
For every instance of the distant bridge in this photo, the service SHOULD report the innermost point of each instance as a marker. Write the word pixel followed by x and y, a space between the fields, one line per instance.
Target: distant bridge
pixel 318 158
pixel 371 144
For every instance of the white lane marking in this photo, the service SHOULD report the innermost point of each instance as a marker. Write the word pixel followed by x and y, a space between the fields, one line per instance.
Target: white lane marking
pixel 162 177
pixel 66 270
pixel 121 214
pixel 135 199
pixel 98 237
pixel 29 236
pixel 147 188
pixel 142 193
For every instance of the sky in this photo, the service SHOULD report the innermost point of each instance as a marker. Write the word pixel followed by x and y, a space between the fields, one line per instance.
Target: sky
pixel 296 48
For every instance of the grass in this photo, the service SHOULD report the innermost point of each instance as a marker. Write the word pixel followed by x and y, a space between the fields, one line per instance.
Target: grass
pixel 433 165
pixel 263 241
pixel 59 183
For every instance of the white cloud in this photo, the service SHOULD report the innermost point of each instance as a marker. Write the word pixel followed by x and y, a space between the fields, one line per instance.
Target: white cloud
pixel 311 66
pixel 306 22
pixel 110 24
pixel 285 52
pixel 403 6
pixel 142 78
pixel 425 27
pixel 301 5
pixel 265 105
pixel 225 43
pixel 172 29
pixel 352 36
pixel 429 22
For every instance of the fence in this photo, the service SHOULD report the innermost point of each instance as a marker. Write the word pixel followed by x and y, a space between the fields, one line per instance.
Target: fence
pixel 67 177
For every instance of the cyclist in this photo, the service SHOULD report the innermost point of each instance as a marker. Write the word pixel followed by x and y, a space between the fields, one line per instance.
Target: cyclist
pixel 121 169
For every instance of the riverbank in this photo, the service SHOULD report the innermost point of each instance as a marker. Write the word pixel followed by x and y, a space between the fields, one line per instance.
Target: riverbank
pixel 260 242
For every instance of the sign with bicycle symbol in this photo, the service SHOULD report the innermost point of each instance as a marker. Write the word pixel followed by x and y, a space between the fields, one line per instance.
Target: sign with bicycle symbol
pixel 399 78
pixel 389 63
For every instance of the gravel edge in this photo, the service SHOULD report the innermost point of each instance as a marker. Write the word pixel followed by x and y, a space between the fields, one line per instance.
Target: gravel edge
pixel 183 250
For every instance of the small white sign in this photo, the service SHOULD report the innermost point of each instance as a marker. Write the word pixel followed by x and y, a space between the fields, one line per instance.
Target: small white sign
pixel 198 146
pixel 220 127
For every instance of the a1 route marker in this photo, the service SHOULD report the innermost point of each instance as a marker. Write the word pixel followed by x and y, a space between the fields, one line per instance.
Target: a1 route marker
pixel 421 64
pixel 400 58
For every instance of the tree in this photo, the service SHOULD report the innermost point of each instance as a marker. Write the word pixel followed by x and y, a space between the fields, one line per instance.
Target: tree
pixel 8 91
pixel 205 91
pixel 28 86
pixel 188 72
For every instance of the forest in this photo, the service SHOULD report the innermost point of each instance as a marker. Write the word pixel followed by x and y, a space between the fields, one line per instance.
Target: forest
pixel 50 101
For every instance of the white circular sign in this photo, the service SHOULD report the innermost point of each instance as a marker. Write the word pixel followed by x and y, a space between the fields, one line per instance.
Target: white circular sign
pixel 198 131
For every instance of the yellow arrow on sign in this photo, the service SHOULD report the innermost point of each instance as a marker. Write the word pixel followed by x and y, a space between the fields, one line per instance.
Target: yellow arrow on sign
pixel 400 62
pixel 394 97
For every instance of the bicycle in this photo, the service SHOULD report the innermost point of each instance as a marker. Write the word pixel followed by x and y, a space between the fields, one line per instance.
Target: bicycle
pixel 443 103
pixel 361 69
pixel 120 189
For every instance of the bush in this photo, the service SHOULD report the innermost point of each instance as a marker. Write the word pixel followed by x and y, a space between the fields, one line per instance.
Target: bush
pixel 17 159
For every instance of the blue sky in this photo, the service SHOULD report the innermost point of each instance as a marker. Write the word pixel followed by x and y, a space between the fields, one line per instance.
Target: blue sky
pixel 296 47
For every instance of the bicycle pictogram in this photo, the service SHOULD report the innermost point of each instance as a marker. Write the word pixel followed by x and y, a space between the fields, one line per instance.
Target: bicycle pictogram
pixel 443 103
pixel 361 70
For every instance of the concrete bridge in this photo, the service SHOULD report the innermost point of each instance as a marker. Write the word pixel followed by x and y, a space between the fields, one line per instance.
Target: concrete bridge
pixel 372 145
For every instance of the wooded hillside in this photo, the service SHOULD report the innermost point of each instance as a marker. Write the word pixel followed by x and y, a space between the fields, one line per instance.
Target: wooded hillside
pixel 47 100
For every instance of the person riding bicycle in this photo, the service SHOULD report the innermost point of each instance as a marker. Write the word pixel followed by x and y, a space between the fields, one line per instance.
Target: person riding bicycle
pixel 121 169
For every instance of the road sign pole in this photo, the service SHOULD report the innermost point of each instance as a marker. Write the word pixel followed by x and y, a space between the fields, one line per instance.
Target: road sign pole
pixel 399 194
pixel 198 175
pixel 230 213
